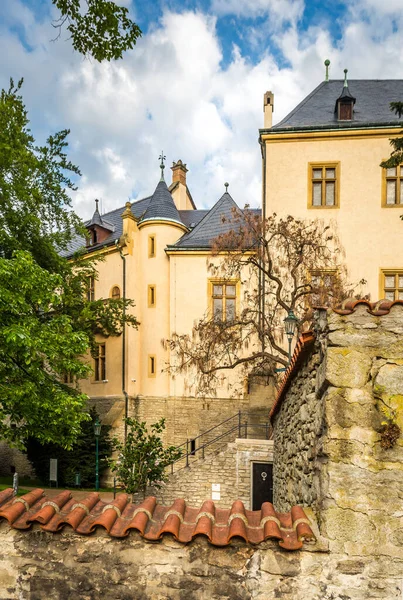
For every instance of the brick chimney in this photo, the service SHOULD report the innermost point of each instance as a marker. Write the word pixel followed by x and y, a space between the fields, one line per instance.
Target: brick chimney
pixel 179 171
pixel 268 108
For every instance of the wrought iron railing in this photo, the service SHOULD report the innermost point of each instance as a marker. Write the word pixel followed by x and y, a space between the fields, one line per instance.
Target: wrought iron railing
pixel 240 425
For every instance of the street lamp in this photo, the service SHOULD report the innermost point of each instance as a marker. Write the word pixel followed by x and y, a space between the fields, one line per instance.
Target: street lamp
pixel 97 432
pixel 290 325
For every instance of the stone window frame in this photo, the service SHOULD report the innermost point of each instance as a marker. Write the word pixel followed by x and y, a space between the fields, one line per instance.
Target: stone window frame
pixel 152 246
pixel 115 292
pixel 152 365
pixel 320 273
pixel 152 296
pixel 91 288
pixel 323 180
pixel 100 362
pixel 217 281
pixel 397 178
pixel 397 288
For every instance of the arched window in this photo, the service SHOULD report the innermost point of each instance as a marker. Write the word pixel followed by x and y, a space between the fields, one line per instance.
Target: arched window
pixel 115 293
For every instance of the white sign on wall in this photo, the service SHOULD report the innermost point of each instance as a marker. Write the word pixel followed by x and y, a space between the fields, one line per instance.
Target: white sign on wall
pixel 216 491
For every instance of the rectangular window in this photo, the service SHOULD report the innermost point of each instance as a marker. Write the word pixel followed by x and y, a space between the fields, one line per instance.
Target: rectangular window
pixel 392 186
pixel 323 185
pixel 324 286
pixel 151 246
pixel 152 365
pixel 152 298
pixel 91 289
pixel 100 363
pixel 68 377
pixel 392 283
pixel 223 297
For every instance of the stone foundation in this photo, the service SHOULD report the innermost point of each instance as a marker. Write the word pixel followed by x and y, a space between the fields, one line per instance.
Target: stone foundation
pixel 36 565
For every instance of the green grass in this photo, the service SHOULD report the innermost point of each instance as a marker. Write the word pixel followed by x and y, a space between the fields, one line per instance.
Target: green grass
pixel 21 491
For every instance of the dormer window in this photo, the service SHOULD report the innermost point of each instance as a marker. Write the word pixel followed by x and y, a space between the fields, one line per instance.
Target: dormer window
pixel 93 238
pixel 345 103
pixel 98 228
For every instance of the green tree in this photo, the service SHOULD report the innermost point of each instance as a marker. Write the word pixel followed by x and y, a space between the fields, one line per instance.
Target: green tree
pixel 142 459
pixel 396 157
pixel 80 459
pixel 46 322
pixel 104 31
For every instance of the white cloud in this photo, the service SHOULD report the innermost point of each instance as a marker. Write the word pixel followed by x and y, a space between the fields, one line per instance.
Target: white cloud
pixel 279 11
pixel 173 93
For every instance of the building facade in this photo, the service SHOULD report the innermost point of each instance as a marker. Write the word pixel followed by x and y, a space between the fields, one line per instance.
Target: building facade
pixel 323 161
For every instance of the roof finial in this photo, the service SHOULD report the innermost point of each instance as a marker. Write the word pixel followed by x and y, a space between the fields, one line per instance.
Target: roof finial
pixel 162 157
pixel 96 205
pixel 345 78
pixel 327 65
pixel 226 185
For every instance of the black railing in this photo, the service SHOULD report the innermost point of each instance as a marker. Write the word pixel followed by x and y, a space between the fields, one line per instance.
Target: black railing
pixel 239 425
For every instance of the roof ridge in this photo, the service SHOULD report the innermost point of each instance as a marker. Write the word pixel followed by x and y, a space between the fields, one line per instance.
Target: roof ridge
pixel 303 102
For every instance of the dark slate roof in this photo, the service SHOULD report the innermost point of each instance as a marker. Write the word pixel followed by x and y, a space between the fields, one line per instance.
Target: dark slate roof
pixel 192 217
pixel 98 220
pixel 161 206
pixel 210 226
pixel 373 97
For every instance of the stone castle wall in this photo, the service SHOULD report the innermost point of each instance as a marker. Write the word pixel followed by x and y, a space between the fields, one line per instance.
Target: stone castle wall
pixel 297 439
pixel 37 565
pixel 354 483
pixel 230 468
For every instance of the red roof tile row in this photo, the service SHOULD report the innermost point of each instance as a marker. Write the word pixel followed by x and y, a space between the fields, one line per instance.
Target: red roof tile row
pixel 302 349
pixel 152 520
pixel 378 309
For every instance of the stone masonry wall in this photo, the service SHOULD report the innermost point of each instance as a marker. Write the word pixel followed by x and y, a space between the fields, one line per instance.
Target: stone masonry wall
pixel 357 484
pixel 230 468
pixel 37 565
pixel 297 439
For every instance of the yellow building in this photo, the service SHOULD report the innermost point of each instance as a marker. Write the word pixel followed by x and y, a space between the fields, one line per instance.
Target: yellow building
pixel 156 251
pixel 322 161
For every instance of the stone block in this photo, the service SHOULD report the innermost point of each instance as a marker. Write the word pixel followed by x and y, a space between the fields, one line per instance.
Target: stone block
pixel 276 563
pixel 347 368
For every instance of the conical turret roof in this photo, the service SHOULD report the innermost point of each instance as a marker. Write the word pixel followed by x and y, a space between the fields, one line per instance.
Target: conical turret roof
pixel 161 206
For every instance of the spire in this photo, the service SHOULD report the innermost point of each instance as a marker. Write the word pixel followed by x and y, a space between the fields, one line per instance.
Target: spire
pixel 162 157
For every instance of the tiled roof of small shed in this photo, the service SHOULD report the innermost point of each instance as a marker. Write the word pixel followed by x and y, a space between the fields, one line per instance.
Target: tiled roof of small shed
pixel 305 342
pixel 152 521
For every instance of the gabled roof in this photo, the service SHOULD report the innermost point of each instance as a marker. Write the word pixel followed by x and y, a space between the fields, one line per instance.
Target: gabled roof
pixel 161 206
pixel 218 220
pixel 373 97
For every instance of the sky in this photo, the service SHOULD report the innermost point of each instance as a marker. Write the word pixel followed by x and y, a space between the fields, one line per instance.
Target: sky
pixel 192 87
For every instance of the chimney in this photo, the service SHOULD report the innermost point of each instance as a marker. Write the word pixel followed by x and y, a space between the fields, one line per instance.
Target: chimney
pixel 268 108
pixel 179 171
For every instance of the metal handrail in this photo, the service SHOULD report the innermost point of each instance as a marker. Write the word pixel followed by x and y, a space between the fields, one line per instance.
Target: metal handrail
pixel 239 426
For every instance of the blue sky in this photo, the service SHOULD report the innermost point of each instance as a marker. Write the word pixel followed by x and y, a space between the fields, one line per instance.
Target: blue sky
pixel 193 85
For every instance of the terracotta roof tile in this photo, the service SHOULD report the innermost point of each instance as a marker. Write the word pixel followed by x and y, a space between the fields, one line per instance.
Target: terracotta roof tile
pixel 378 309
pixel 302 348
pixel 152 520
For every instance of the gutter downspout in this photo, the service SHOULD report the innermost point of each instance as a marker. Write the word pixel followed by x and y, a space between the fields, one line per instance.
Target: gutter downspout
pixel 261 274
pixel 126 395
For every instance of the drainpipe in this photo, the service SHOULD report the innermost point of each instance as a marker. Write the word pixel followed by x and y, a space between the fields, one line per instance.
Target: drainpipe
pixel 125 394
pixel 262 278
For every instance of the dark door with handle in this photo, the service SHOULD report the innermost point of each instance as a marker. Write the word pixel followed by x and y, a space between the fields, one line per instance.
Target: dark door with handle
pixel 262 484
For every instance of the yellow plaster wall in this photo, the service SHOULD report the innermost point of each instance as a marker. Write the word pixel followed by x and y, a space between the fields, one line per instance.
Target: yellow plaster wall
pixel 371 235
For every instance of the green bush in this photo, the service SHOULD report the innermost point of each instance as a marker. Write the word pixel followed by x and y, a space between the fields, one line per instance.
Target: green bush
pixel 80 459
